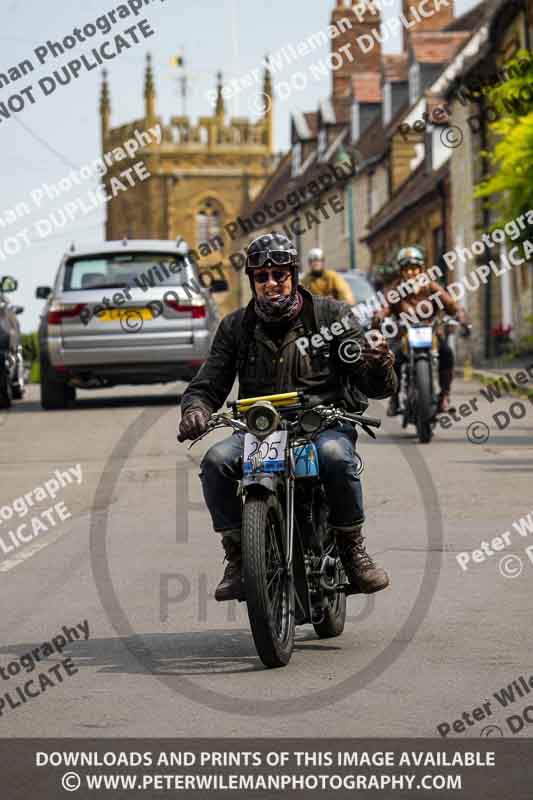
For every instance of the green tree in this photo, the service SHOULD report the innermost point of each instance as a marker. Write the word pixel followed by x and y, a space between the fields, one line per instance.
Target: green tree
pixel 30 351
pixel 510 105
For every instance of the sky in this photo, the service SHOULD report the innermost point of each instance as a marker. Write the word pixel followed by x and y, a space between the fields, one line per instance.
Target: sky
pixel 41 143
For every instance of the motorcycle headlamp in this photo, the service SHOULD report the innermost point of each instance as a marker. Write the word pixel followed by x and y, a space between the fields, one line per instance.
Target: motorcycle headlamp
pixel 310 421
pixel 262 419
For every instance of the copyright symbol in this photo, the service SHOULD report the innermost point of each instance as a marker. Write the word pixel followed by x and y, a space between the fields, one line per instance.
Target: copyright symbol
pixel 261 104
pixel 131 321
pixel 71 782
pixel 491 730
pixel 478 432
pixel 452 136
pixel 350 351
pixel 511 566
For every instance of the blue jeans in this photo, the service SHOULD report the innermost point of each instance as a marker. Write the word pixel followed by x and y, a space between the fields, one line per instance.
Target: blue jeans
pixel 221 469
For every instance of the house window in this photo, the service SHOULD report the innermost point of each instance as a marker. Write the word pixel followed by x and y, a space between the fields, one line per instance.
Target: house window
pixel 387 103
pixel 356 122
pixel 414 82
pixel 296 158
pixel 370 194
pixel 322 143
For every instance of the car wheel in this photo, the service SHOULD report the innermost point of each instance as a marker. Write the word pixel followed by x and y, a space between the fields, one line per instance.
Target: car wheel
pixel 55 391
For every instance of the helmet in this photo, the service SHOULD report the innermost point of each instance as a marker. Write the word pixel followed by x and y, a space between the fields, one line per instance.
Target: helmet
pixel 315 254
pixel 274 247
pixel 413 254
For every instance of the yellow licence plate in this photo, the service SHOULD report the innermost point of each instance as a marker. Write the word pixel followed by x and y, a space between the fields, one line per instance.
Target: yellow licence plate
pixel 117 314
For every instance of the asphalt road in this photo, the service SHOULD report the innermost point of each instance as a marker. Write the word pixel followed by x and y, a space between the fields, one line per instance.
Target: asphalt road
pixel 138 561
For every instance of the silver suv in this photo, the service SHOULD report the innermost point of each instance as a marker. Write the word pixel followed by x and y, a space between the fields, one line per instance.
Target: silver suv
pixel 130 312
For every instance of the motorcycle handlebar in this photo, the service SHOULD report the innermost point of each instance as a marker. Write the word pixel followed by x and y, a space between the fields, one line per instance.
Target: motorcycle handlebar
pixel 372 422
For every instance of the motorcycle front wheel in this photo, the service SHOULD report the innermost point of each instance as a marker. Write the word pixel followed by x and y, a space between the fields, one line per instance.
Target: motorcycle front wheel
pixel 269 590
pixel 424 393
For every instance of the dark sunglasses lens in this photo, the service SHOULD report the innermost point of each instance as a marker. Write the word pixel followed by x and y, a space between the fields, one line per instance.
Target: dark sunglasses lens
pixel 261 277
pixel 280 275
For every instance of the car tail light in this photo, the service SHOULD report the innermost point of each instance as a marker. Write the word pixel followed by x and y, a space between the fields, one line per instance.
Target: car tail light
pixel 60 311
pixel 196 312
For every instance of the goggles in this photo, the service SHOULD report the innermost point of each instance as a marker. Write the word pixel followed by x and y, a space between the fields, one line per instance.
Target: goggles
pixel 279 257
pixel 278 275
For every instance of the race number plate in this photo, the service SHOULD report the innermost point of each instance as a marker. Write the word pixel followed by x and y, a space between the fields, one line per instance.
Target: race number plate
pixel 267 455
pixel 420 337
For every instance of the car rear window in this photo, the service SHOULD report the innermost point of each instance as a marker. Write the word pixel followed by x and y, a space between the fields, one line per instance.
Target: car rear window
pixel 141 270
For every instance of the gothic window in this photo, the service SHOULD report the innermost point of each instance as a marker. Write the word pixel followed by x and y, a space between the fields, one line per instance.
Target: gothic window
pixel 208 222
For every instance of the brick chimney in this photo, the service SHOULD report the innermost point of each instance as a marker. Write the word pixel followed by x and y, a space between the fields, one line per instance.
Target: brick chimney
pixel 436 22
pixel 353 19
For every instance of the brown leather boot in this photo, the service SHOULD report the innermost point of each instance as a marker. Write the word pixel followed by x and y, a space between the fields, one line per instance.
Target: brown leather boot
pixel 363 574
pixel 231 586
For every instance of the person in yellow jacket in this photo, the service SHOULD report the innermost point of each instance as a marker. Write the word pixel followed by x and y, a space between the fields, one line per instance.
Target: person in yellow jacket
pixel 325 282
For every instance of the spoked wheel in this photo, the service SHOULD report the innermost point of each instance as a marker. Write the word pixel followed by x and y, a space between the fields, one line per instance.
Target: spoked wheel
pixel 424 424
pixel 269 590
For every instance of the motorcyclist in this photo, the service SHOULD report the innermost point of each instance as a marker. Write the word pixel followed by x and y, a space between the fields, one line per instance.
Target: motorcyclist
pixel 411 263
pixel 257 344
pixel 325 282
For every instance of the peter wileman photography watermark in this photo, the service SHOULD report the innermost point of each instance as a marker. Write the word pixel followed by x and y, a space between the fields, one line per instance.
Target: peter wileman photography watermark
pixel 50 678
pixel 84 204
pixel 510 565
pixel 87 61
pixel 284 57
pixel 20 533
pixel 519 688
pixel 478 432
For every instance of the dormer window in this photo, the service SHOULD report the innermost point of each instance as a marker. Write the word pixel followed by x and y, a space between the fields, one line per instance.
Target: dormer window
pixel 356 122
pixel 322 143
pixel 414 82
pixel 296 158
pixel 387 103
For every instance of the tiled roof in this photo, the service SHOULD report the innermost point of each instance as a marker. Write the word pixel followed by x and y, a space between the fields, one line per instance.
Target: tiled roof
pixel 366 87
pixel 311 118
pixel 305 125
pixel 436 47
pixel 373 142
pixel 469 20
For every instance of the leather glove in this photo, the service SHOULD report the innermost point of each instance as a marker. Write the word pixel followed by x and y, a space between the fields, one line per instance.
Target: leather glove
pixel 193 423
pixel 380 356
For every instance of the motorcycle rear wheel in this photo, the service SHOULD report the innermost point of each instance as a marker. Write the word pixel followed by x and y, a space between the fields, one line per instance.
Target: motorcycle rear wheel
pixel 268 589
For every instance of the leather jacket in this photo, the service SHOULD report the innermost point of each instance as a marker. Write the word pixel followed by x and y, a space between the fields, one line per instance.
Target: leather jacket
pixel 243 348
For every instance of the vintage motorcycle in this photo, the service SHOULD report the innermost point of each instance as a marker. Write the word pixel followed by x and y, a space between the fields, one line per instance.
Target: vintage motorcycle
pixel 291 571
pixel 418 399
